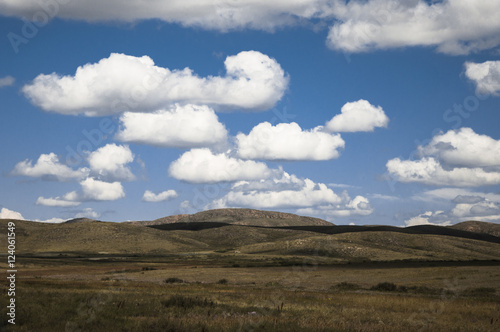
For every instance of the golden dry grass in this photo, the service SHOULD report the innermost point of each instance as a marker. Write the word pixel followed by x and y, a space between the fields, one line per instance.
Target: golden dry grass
pixel 63 294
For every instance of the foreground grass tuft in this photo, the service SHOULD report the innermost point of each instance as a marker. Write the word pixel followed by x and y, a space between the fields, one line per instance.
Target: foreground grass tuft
pixel 186 302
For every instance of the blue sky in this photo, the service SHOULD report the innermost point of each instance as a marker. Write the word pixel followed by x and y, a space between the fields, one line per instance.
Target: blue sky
pixel 361 112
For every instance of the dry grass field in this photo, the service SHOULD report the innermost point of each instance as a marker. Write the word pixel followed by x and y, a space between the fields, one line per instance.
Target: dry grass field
pixel 214 276
pixel 201 293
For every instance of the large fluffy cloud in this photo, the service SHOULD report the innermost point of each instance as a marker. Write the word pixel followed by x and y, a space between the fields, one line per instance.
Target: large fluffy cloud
pixel 437 218
pixel 48 167
pixel 308 194
pixel 459 158
pixel 358 206
pixel 358 116
pixel 108 163
pixel 466 205
pixel 119 83
pixel 210 14
pixel 486 76
pixel 181 126
pixel 91 190
pixel 9 214
pixel 283 190
pixel 287 141
pixel 95 190
pixel 453 26
pixel 430 171
pixel 463 147
pixel 203 166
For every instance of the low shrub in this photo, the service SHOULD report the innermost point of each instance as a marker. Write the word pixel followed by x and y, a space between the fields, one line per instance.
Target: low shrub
pixel 479 291
pixel 385 287
pixel 345 286
pixel 147 268
pixel 173 280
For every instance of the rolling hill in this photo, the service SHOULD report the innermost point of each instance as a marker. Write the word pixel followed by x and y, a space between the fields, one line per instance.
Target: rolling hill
pixel 255 233
pixel 248 217
pixel 478 227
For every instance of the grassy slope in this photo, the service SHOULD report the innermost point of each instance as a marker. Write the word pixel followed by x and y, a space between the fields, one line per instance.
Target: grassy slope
pixel 369 244
pixel 95 237
pixel 479 227
pixel 382 246
pixel 241 217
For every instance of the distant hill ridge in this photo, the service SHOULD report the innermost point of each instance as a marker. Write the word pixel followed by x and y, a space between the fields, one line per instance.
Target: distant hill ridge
pixel 247 217
pixel 478 227
pixel 256 232
pixel 79 220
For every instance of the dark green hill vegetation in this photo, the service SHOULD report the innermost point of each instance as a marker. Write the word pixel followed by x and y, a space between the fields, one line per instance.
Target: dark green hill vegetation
pixel 421 229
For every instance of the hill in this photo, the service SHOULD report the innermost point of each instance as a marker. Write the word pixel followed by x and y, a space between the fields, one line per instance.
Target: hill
pixel 478 227
pixel 245 232
pixel 248 217
pixel 79 220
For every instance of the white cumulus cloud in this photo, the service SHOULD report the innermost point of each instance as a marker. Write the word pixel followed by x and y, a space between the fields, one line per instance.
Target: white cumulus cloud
pixel 358 116
pixel 459 158
pixel 88 213
pixel 453 26
pixel 9 214
pixel 119 83
pixel 186 126
pixel 287 141
pixel 466 205
pixel 64 201
pixel 309 194
pixel 108 163
pixel 95 190
pixel 91 190
pixel 203 166
pixel 463 147
pixel 284 190
pixel 486 76
pixel 358 206
pixel 437 218
pixel 430 171
pixel 48 167
pixel 220 15
pixel 150 196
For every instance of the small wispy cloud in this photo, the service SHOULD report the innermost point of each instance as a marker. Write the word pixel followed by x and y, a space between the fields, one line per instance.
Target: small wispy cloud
pixel 7 81
pixel 384 197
